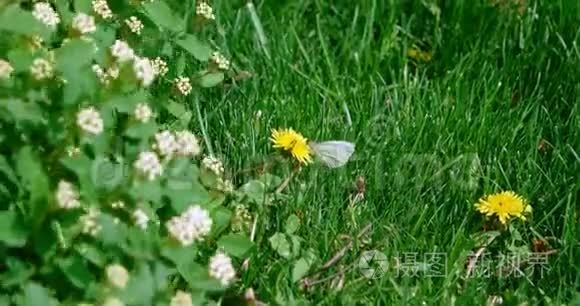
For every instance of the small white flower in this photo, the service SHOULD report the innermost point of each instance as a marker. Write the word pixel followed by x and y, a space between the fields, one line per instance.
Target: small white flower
pixel 84 23
pixel 41 69
pixel 141 218
pixel 144 71
pixel 73 151
pixel 89 222
pixel 204 10
pixel 187 144
pixel 121 51
pixel 148 164
pixel 224 185
pixel 5 69
pixel 221 268
pixel 258 114
pixel 134 24
pixel 183 85
pixel 213 164
pixel 113 72
pixel 67 197
pixel 220 61
pixel 90 121
pixel 118 204
pixel 44 13
pixel 143 112
pixel 113 301
pixel 181 298
pixel 102 9
pixel 165 143
pixel 159 66
pixel 117 276
pixel 192 225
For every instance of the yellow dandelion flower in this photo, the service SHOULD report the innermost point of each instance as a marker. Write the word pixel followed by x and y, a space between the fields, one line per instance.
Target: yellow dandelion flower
pixel 505 205
pixel 418 55
pixel 292 142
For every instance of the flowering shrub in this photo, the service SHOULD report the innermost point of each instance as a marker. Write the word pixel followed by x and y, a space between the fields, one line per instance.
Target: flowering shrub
pixel 101 204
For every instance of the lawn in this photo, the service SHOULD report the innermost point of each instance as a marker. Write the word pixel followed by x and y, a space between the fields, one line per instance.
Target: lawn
pixel 117 116
pixel 492 106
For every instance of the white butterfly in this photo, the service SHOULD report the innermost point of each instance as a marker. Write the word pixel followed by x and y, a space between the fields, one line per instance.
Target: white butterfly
pixel 334 153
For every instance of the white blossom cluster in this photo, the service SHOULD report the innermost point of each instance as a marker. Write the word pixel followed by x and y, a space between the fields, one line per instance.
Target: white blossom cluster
pixel 221 268
pixel 134 24
pixel 220 61
pixel 44 13
pixel 204 10
pixel 191 225
pixel 181 143
pixel 106 76
pixel 121 51
pixel 101 8
pixel 117 276
pixel 84 24
pixel 5 69
pixel 142 66
pixel 213 164
pixel 67 197
pixel 148 165
pixel 183 85
pixel 159 66
pixel 144 71
pixel 41 69
pixel 181 298
pixel 89 222
pixel 141 219
pixel 89 120
pixel 143 112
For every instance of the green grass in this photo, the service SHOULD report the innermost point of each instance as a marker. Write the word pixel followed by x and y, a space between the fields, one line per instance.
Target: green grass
pixel 498 84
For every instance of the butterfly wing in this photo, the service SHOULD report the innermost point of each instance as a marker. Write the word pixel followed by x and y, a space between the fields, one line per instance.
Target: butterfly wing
pixel 333 153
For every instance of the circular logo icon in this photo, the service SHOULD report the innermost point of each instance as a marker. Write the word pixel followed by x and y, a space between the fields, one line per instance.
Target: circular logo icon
pixel 373 264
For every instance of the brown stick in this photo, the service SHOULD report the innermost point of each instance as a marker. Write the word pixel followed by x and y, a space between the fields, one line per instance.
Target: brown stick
pixel 474 259
pixel 313 279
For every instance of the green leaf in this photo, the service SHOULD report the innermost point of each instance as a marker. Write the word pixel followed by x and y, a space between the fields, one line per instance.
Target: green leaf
pixel 292 224
pixel 210 79
pixel 20 59
pixel 162 15
pixel 83 6
pixel 254 190
pixel 300 269
pixel 13 232
pixel 91 253
pixel 141 130
pixel 16 20
pixel 197 277
pixel 72 56
pixel 141 287
pixel 296 242
pixel 182 196
pixel 34 179
pixel 221 217
pixel 127 103
pixel 195 47
pixel 236 245
pixel 280 244
pixel 76 270
pixel 178 254
pixel 146 191
pixel 161 274
pixel 35 294
pixel 179 111
pixel 111 233
pixel 7 170
pixel 19 110
pixel 17 272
